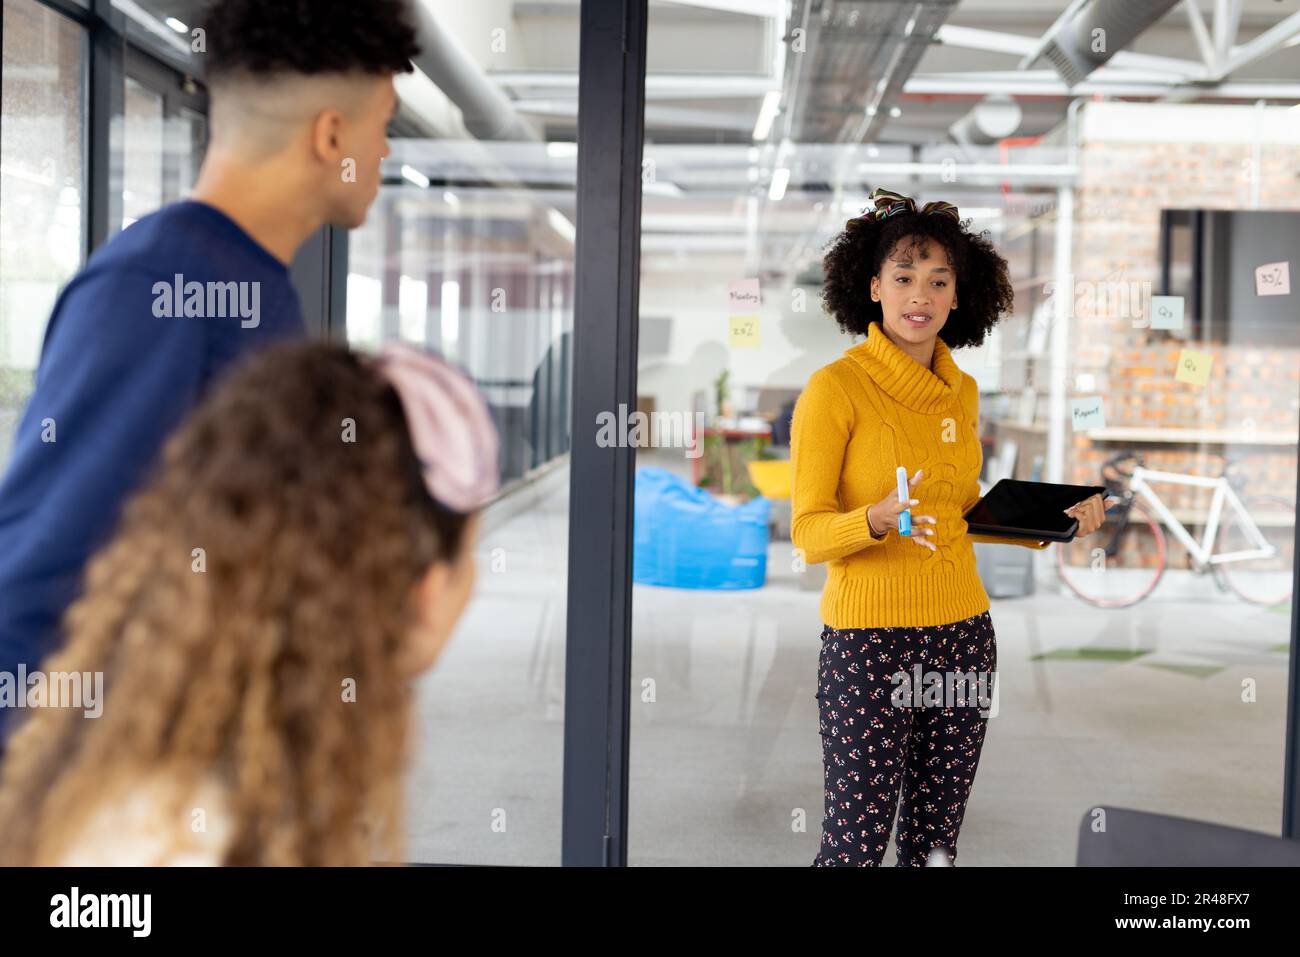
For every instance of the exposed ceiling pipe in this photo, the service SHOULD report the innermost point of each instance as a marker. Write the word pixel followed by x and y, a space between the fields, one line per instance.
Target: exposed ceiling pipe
pixel 992 119
pixel 1097 31
pixel 486 111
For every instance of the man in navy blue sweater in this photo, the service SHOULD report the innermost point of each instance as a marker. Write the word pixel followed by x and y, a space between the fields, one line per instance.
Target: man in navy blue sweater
pixel 299 112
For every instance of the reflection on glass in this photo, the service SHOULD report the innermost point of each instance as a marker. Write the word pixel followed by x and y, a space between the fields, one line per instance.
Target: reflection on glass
pixel 188 141
pixel 486 278
pixel 468 250
pixel 142 152
pixel 161 152
pixel 1123 656
pixel 41 180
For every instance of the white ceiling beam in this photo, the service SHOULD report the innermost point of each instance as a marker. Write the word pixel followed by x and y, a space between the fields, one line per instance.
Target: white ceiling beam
pixel 1031 86
pixel 1201 34
pixel 675 86
pixel 1108 74
pixel 994 41
pixel 1262 45
pixel 654 115
pixel 1019 172
pixel 756 8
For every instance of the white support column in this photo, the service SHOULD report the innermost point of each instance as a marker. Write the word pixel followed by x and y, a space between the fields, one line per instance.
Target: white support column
pixel 1059 425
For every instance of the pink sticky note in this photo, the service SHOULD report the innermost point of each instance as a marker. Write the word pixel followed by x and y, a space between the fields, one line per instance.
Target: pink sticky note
pixel 743 296
pixel 1273 279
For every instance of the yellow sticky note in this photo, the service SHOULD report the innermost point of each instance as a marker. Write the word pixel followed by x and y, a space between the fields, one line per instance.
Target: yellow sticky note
pixel 745 333
pixel 1193 367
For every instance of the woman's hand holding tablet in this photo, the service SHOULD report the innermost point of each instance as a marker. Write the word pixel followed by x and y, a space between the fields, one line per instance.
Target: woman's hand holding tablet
pixel 1039 510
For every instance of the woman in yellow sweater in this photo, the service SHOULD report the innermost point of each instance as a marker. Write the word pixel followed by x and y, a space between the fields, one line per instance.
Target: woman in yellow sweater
pixel 908 651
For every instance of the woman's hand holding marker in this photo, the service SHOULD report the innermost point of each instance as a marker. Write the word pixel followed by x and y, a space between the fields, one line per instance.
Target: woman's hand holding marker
pixel 885 514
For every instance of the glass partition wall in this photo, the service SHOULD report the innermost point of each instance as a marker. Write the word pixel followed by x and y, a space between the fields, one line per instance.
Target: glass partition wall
pixel 1144 666
pixel 469 250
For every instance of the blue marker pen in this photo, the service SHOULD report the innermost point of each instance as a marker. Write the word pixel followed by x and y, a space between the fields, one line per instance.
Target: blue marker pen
pixel 905 516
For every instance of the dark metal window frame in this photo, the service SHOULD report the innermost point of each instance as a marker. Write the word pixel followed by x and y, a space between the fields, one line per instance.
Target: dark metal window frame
pixel 611 129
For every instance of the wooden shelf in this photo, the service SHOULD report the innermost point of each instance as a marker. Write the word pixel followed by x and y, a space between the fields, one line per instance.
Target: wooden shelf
pixel 1013 425
pixel 1169 436
pixel 1210 436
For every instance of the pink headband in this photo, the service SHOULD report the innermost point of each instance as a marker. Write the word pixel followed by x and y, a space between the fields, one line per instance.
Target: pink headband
pixel 451 430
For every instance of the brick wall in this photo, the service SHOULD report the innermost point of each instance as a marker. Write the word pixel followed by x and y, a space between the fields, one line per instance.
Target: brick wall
pixel 1123 187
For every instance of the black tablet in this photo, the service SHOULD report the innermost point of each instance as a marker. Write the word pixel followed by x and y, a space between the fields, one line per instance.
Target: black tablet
pixel 1029 510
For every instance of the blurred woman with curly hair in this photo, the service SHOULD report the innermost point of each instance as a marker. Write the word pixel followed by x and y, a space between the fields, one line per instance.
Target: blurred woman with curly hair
pixel 302 553
pixel 908 655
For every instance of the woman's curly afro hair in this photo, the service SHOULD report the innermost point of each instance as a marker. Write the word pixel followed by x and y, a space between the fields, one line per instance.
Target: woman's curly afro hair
pixel 983 290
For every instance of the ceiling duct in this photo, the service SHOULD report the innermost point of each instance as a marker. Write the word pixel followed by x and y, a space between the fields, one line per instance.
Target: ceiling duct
pixel 1097 32
pixel 992 119
pixel 856 57
pixel 486 112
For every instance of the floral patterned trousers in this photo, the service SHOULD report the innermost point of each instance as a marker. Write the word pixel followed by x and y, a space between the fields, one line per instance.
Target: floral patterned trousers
pixel 902 706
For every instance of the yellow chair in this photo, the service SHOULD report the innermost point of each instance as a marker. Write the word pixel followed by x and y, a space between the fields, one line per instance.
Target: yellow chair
pixel 771 477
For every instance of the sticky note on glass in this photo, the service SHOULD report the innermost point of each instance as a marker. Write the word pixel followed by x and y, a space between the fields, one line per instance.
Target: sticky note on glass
pixel 743 295
pixel 1087 413
pixel 745 333
pixel 1166 312
pixel 1273 279
pixel 1193 367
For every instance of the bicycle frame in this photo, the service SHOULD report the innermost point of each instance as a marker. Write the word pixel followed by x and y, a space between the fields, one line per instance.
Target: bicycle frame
pixel 1222 490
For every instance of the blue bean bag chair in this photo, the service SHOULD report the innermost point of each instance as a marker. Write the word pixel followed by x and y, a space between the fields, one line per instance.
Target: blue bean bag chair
pixel 683 537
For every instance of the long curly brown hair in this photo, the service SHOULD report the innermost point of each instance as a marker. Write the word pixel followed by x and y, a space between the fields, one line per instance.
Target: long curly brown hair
pixel 297 481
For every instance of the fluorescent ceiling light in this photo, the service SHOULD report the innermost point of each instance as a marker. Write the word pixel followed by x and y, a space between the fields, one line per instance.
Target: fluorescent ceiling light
pixel 560 223
pixel 780 179
pixel 767 114
pixel 413 175
pixel 155 26
pixel 660 188
pixel 176 25
pixel 561 150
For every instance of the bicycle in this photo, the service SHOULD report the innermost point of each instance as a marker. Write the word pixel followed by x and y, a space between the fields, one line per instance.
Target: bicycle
pixel 1101 578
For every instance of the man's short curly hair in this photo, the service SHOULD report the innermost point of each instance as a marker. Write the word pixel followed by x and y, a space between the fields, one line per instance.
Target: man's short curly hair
pixel 855 256
pixel 263 38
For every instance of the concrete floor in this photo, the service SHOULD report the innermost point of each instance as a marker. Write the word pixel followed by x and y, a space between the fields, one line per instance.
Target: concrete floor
pixel 726 761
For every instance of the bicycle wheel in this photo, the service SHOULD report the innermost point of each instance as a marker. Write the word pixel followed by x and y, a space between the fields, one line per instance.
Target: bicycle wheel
pixel 1100 571
pixel 1260 581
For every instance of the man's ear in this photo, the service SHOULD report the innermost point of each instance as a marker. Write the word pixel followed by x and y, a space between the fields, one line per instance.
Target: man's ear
pixel 327 137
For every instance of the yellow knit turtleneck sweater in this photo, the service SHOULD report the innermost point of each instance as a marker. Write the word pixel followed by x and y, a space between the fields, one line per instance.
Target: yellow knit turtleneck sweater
pixel 857 420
